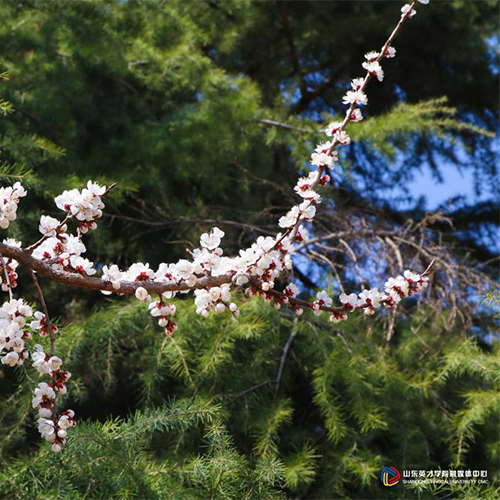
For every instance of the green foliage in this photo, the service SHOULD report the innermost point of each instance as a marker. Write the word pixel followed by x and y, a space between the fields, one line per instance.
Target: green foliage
pixel 48 147
pixel 165 98
pixel 14 173
pixel 300 468
pixel 111 460
pixel 5 107
pixel 390 133
pixel 466 491
pixel 347 404
pixel 169 99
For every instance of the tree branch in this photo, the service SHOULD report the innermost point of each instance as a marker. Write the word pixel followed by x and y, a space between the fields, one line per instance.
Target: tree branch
pixel 24 257
pixel 7 278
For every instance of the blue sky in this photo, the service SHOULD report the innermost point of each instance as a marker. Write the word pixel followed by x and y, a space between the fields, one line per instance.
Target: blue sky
pixel 454 183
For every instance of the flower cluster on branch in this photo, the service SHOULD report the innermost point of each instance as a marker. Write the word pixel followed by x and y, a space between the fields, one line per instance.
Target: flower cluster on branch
pixel 208 273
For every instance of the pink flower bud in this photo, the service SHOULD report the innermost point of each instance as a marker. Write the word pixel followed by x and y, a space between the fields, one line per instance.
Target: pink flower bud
pixel 141 293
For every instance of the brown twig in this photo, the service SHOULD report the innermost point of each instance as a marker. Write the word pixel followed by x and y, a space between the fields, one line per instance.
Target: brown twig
pixel 48 325
pixel 7 277
pixel 293 231
pixel 334 310
pixel 45 310
pixel 253 388
pixel 283 358
pixel 24 257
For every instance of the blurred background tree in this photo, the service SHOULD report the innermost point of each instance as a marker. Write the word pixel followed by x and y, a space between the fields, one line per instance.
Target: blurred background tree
pixel 205 113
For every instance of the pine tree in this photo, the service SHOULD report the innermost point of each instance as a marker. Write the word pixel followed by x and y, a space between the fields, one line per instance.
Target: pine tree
pixel 205 111
pixel 232 412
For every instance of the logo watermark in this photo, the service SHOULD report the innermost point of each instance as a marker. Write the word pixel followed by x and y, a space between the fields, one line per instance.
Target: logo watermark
pixel 390 476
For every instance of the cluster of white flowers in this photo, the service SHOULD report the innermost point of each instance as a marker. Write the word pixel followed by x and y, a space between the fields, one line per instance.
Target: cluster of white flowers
pixel 322 300
pixel 44 400
pixel 404 286
pixel 9 199
pixel 368 300
pixel 259 265
pixel 8 276
pixel 216 298
pixel 159 309
pixel 40 324
pixel 14 331
pixel 162 311
pixel 51 365
pixel 84 205
pixel 43 362
pixel 51 425
pixel 64 253
pixel 263 261
pixel 395 290
pixel 408 10
pixel 55 431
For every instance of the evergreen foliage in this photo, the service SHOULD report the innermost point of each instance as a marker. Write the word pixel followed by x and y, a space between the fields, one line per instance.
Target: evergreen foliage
pixel 173 101
pixel 168 97
pixel 203 413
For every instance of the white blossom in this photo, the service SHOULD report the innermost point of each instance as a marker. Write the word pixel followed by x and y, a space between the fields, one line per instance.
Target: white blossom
pixel 356 116
pixel 184 270
pixel 113 275
pixel 332 128
pixel 349 301
pixel 322 155
pixel 323 299
pixel 372 55
pixel 374 69
pixel 12 242
pixel 9 199
pixel 342 138
pixel 47 429
pixel 390 52
pixel 141 293
pixel 357 83
pixel 308 210
pixel 44 396
pixel 139 272
pixel 11 359
pixel 54 363
pixel 355 96
pixel 370 300
pixel 82 266
pixel 290 218
pixel 48 225
pixel 338 317
pixel 84 205
pixel 407 8
pixel 38 322
pixel 212 240
pixel 40 360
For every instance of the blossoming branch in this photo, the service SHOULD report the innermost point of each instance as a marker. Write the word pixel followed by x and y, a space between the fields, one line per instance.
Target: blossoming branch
pixel 208 273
